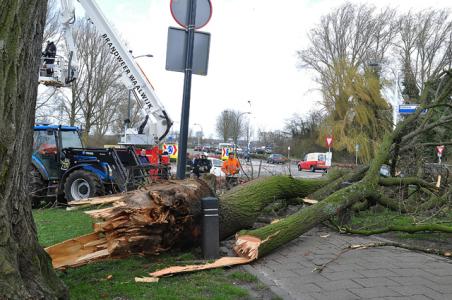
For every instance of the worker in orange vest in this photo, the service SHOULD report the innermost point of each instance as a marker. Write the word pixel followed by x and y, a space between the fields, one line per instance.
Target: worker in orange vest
pixel 231 167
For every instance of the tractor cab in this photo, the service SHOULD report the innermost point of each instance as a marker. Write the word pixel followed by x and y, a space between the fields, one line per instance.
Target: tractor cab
pixel 48 142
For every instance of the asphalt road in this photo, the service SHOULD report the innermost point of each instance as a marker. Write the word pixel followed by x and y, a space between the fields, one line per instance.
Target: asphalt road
pixel 260 168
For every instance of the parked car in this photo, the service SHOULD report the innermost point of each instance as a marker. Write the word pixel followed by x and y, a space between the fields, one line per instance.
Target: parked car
pixel 260 150
pixel 206 148
pixel 313 161
pixel 197 148
pixel 276 159
pixel 216 167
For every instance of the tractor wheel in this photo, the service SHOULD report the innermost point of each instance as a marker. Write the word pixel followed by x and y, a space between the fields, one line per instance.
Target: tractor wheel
pixel 81 185
pixel 37 187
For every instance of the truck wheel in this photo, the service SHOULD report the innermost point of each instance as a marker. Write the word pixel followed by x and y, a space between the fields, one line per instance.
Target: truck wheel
pixel 299 168
pixel 82 184
pixel 37 187
pixel 312 169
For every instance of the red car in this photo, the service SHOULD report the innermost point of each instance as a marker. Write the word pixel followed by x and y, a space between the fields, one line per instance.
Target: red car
pixel 313 161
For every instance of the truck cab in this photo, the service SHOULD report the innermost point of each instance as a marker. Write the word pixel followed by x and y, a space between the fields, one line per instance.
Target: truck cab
pixel 313 161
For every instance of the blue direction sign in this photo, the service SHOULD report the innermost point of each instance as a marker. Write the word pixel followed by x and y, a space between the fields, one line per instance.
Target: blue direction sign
pixel 406 109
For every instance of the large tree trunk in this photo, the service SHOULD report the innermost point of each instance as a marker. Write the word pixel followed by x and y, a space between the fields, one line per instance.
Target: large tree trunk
pixel 240 207
pixel 25 269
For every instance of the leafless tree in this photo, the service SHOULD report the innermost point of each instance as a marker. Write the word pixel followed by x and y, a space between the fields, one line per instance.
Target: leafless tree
pixel 357 34
pixel 423 48
pixel 238 128
pixel 122 114
pixel 52 29
pixel 96 87
pixel 304 126
pixel 223 126
pixel 230 125
pixel 106 110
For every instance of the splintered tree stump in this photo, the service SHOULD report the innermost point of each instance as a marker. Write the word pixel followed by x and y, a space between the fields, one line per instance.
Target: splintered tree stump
pixel 146 222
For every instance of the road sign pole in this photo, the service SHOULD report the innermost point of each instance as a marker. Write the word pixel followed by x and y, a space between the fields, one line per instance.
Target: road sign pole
pixel 185 115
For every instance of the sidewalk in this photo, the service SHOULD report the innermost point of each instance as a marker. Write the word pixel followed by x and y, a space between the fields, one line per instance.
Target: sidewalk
pixel 374 273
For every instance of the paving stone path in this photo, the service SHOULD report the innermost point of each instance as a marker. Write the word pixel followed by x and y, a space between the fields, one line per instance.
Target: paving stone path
pixel 374 273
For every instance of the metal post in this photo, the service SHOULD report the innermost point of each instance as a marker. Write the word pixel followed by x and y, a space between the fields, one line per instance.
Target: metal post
pixel 210 228
pixel 127 121
pixel 128 107
pixel 185 113
pixel 356 153
pixel 395 102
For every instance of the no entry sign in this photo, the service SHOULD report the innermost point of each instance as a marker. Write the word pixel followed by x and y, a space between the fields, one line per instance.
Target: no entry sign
pixel 179 11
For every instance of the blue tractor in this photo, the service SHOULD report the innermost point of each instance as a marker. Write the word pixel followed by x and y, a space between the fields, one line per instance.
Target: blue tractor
pixel 62 168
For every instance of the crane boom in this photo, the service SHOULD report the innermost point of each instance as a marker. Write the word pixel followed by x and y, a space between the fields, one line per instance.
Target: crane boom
pixel 131 72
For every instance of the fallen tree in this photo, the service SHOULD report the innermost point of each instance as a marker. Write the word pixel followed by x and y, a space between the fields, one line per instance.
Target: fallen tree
pixel 168 214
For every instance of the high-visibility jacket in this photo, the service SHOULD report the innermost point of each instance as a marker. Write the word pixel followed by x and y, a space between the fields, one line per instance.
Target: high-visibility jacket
pixel 230 166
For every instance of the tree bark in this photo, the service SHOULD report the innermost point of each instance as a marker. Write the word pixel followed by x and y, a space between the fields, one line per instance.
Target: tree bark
pixel 402 228
pixel 240 207
pixel 25 269
pixel 337 184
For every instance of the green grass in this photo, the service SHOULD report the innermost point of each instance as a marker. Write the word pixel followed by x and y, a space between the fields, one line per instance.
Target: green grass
pixel 243 276
pixel 90 281
pixel 57 225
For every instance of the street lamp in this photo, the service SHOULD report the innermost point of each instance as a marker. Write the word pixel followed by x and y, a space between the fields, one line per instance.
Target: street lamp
pixel 238 119
pixel 248 137
pixel 202 132
pixel 143 55
pixel 138 56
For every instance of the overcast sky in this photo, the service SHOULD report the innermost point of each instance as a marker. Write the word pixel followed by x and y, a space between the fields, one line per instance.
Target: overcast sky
pixel 252 56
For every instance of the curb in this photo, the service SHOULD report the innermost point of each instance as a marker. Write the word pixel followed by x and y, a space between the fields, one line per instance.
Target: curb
pixel 269 283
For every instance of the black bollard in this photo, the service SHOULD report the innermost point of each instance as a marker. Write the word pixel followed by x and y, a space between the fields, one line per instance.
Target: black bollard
pixel 210 228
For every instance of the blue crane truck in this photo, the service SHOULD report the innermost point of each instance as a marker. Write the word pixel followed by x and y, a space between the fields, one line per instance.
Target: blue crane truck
pixel 62 168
